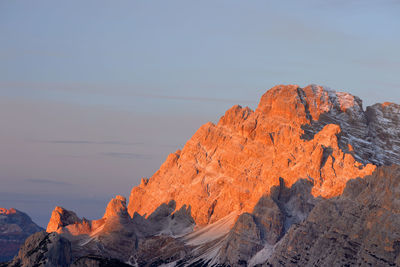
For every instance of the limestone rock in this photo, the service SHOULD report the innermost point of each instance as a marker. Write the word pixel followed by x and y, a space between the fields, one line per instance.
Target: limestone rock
pixel 297 182
pixel 112 236
pixel 242 242
pixel 117 235
pixel 158 250
pixel 116 208
pixel 359 228
pixel 311 133
pixel 97 261
pixel 272 217
pixel 15 227
pixel 61 217
pixel 383 121
pixel 44 250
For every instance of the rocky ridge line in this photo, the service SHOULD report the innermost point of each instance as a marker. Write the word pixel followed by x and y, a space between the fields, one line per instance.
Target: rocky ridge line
pixel 257 186
pixel 310 133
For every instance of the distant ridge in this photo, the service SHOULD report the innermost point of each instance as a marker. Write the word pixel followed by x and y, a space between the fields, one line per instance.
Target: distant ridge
pixel 15 227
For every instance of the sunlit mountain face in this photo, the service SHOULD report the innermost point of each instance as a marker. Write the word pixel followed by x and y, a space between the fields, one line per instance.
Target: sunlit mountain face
pixel 308 169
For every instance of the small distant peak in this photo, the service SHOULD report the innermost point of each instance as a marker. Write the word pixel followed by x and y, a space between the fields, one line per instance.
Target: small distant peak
pixel 316 88
pixel 348 101
pixel 119 197
pixel 172 204
pixel 305 104
pixel 284 101
pixel 235 115
pixel 280 90
pixel 144 181
pixel 59 209
pixel 163 211
pixel 387 104
pixel 325 88
pixel 61 217
pixel 5 211
pixel 171 160
pixel 116 207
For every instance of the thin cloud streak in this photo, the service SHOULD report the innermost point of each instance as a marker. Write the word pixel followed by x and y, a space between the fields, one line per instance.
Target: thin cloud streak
pixel 124 155
pixel 46 181
pixel 87 142
pixel 387 84
pixel 200 99
pixel 125 90
pixel 379 63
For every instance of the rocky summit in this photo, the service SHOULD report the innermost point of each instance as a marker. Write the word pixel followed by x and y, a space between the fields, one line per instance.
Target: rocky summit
pixel 309 178
pixel 15 227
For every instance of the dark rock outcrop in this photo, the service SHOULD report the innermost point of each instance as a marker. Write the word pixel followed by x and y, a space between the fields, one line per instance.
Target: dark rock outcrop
pixel 97 261
pixel 271 218
pixel 45 250
pixel 15 227
pixel 359 228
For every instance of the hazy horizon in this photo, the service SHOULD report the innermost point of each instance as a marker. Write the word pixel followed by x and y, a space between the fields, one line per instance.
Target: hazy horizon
pixel 95 94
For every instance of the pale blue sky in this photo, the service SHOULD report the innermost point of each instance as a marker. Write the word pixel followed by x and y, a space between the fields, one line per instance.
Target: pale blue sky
pixel 95 94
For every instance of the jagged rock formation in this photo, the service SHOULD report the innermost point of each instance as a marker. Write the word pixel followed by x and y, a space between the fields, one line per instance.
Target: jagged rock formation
pixel 310 133
pixel 359 228
pixel 294 133
pixel 383 136
pixel 236 239
pixel 61 217
pixel 270 220
pixel 306 171
pixel 15 227
pixel 44 249
pixel 116 235
pixel 51 249
pixel 96 261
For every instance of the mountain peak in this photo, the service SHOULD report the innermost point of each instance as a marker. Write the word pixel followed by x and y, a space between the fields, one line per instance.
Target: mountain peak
pixel 61 217
pixel 305 104
pixel 257 178
pixel 15 227
pixel 312 132
pixel 116 207
pixel 5 211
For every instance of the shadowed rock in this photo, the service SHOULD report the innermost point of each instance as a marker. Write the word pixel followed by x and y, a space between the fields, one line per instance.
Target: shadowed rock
pixel 272 217
pixel 15 227
pixel 359 228
pixel 44 249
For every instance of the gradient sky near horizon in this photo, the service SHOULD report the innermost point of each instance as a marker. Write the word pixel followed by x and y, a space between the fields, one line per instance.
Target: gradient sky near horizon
pixel 95 94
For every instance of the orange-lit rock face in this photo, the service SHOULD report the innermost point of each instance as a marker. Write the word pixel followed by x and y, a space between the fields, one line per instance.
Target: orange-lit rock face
pixel 116 207
pixel 64 221
pixel 229 166
pixel 7 211
pixel 61 217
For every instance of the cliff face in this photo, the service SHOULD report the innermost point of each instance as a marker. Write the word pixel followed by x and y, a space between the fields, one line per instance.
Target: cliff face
pixel 43 249
pixel 15 227
pixel 294 133
pixel 307 170
pixel 359 228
